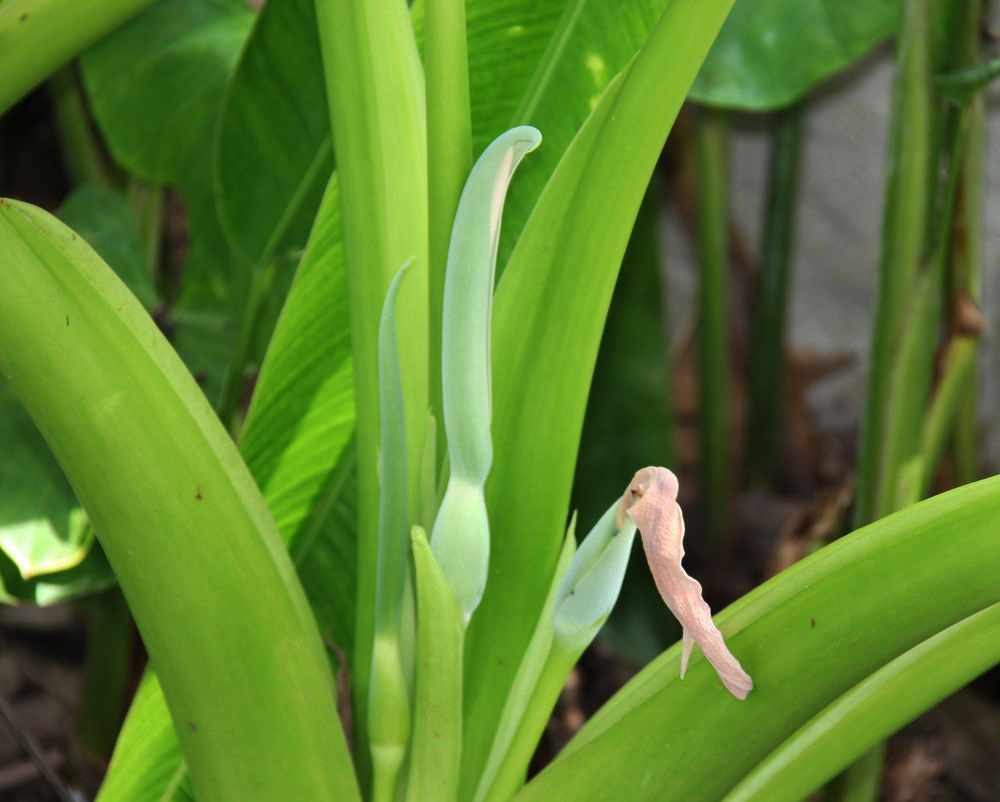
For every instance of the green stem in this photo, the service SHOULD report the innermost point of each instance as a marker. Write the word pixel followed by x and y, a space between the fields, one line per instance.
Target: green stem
pixel 860 782
pixel 713 389
pixel 37 37
pixel 966 252
pixel 146 204
pixel 952 392
pixel 232 384
pixel 511 773
pixel 105 674
pixel 906 212
pixel 449 158
pixel 375 89
pixel 767 354
pixel 82 152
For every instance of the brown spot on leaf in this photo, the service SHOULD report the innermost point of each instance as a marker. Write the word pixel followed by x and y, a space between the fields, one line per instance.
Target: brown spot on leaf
pixel 67 318
pixel 812 623
pixel 193 726
pixel 197 494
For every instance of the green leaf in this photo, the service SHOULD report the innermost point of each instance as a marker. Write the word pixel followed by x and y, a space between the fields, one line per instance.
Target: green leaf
pixel 43 531
pixel 771 52
pixel 169 473
pixel 42 528
pixel 876 707
pixel 155 88
pixel 273 153
pixel 37 37
pixel 437 698
pixel 147 763
pixel 102 217
pixel 296 442
pixel 301 417
pixel 629 422
pixel 549 310
pixel 591 44
pixel 907 577
pixel 961 86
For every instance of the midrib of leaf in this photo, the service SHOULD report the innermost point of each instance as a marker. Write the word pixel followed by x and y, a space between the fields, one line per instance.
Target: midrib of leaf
pixel 295 199
pixel 560 39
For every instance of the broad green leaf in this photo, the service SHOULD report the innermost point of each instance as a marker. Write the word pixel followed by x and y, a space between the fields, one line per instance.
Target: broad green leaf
pixel 147 765
pixel 771 52
pixel 273 153
pixel 42 528
pixel 170 473
pixel 874 708
pixel 155 88
pixel 629 422
pixel 437 697
pixel 301 418
pixel 102 217
pixel 43 531
pixel 37 37
pixel 549 311
pixel 808 637
pixel 296 441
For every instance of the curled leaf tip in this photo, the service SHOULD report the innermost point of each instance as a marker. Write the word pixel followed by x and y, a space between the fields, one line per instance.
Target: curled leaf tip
pixel 651 502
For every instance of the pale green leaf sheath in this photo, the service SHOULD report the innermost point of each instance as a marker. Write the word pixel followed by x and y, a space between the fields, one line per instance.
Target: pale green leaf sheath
pixel 460 538
pixel 388 701
pixel 651 502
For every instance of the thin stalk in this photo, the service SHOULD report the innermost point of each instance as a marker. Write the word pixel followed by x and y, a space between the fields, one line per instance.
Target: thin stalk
pixel 966 252
pixel 375 89
pixel 146 204
pixel 37 37
pixel 903 241
pixel 449 158
pixel 105 673
pixel 232 384
pixel 906 323
pixel 952 392
pixel 713 295
pixel 84 157
pixel 767 354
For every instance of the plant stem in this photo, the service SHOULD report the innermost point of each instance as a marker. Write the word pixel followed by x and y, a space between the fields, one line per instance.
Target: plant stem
pixel 966 252
pixel 232 385
pixel 767 354
pixel 146 204
pixel 83 155
pixel 105 675
pixel 375 90
pixel 713 305
pixel 39 36
pixel 905 216
pixel 449 159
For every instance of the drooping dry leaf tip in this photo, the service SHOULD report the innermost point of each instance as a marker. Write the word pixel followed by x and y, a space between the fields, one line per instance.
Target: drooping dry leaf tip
pixel 651 502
